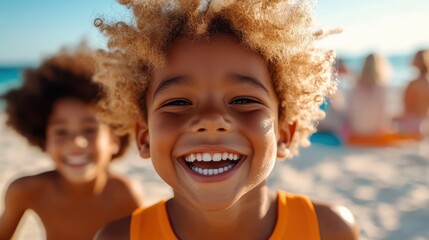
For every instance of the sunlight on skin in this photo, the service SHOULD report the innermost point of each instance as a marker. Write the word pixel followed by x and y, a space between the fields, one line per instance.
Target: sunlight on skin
pixel 345 213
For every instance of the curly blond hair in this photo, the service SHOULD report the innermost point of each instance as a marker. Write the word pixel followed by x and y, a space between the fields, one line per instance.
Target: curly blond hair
pixel 282 32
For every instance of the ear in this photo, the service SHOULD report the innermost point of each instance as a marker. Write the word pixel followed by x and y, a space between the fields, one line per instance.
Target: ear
pixel 286 133
pixel 142 139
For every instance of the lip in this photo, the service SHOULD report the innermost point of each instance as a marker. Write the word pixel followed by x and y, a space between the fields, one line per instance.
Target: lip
pixel 211 178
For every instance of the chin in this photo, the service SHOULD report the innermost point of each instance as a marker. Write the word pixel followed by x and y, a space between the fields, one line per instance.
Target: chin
pixel 214 202
pixel 80 178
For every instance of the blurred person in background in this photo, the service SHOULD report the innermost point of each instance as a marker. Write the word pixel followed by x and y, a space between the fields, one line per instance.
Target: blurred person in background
pixel 416 97
pixel 366 111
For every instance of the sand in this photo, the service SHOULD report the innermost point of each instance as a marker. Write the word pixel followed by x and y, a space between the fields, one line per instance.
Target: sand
pixel 386 188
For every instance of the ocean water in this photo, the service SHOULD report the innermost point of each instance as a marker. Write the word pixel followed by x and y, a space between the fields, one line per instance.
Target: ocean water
pixel 10 77
pixel 402 72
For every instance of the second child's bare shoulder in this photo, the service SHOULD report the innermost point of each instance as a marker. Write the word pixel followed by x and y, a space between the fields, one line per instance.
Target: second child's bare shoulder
pixel 336 222
pixel 122 187
pixel 116 230
pixel 30 187
pixel 34 184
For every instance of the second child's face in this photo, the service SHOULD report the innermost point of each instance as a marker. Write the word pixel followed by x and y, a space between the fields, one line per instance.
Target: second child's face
pixel 213 122
pixel 80 146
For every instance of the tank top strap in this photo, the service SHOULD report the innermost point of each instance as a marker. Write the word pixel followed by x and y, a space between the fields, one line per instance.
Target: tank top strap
pixel 296 218
pixel 151 223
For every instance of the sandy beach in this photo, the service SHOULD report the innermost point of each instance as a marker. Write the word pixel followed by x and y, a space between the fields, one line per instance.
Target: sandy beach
pixel 386 188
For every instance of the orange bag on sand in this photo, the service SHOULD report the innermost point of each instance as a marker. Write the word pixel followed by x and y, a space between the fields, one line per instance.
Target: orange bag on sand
pixel 382 140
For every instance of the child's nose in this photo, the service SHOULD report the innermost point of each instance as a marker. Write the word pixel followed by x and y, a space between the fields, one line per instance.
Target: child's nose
pixel 211 121
pixel 80 141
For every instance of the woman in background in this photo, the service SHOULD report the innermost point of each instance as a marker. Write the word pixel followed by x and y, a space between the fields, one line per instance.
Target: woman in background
pixel 416 96
pixel 367 116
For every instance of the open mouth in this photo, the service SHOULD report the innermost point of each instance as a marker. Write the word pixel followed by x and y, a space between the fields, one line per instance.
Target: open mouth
pixel 212 164
pixel 77 160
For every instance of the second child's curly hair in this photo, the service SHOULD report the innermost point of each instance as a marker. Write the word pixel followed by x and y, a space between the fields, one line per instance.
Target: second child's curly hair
pixel 281 31
pixel 67 74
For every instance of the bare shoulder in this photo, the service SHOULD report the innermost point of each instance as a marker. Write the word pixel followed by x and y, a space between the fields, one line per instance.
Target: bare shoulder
pixel 336 222
pixel 126 188
pixel 31 185
pixel 417 84
pixel 117 230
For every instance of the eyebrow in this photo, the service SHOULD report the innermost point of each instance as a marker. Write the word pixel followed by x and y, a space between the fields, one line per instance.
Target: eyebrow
pixel 237 78
pixel 233 78
pixel 166 83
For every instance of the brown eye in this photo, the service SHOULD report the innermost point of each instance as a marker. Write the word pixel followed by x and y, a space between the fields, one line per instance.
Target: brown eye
pixel 89 131
pixel 177 102
pixel 244 100
pixel 60 133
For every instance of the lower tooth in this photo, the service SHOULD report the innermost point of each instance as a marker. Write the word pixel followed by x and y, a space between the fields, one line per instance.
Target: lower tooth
pixel 211 172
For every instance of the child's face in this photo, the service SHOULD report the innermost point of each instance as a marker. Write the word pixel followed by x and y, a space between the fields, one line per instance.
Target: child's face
pixel 213 100
pixel 80 146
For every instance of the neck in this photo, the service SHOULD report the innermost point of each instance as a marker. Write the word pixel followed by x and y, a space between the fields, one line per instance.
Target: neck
pixel 253 216
pixel 85 189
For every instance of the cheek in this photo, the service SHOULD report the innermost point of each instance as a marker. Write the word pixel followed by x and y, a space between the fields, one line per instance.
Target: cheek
pixel 52 147
pixel 164 128
pixel 261 126
pixel 261 130
pixel 102 146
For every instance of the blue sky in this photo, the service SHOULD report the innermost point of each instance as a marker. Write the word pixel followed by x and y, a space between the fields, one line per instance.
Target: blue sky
pixel 31 30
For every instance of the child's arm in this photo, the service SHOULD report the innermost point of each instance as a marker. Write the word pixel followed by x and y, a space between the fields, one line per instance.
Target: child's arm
pixel 15 204
pixel 336 222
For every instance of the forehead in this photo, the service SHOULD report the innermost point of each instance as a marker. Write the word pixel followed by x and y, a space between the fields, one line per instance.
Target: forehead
pixel 69 109
pixel 219 53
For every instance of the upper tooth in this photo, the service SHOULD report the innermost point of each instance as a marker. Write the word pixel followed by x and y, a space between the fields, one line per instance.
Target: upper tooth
pixel 217 157
pixel 207 157
pixel 76 159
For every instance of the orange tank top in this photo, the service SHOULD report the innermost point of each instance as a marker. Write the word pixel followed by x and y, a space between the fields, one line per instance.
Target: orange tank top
pixel 296 219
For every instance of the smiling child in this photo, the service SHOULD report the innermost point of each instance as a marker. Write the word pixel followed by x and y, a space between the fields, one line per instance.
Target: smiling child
pixel 215 92
pixel 55 109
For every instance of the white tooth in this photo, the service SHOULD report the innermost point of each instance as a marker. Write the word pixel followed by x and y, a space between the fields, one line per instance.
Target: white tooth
pixel 192 157
pixel 217 157
pixel 187 159
pixel 224 156
pixel 207 157
pixel 199 157
pixel 234 157
pixel 212 172
pixel 76 160
pixel 230 156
